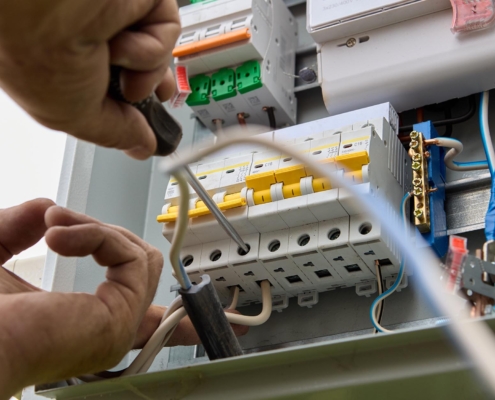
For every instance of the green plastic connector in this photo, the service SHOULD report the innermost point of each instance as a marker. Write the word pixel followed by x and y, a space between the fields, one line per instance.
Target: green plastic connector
pixel 200 86
pixel 248 76
pixel 223 84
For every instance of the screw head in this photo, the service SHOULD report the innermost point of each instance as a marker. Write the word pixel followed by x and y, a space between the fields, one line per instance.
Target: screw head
pixel 414 144
pixel 414 135
pixel 427 154
pixel 418 191
pixel 350 42
pixel 416 166
pixel 418 213
pixel 416 157
pixel 469 292
pixel 417 181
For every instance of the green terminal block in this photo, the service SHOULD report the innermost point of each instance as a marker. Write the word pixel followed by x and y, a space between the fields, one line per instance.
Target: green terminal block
pixel 223 84
pixel 248 76
pixel 200 86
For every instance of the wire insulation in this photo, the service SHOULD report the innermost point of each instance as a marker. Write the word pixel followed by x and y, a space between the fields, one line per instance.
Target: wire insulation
pixel 456 148
pixel 265 312
pixel 400 275
pixel 180 232
pixel 235 298
pixel 379 281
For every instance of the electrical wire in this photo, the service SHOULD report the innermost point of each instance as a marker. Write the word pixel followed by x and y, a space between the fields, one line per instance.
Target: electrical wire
pixel 485 132
pixel 379 281
pixel 176 312
pixel 235 298
pixel 486 138
pixel 475 339
pixel 262 317
pixel 180 232
pixel 400 275
pixel 450 121
pixel 456 148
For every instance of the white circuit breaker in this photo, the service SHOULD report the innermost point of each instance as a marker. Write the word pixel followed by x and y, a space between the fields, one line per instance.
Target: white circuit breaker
pixel 305 233
pixel 240 58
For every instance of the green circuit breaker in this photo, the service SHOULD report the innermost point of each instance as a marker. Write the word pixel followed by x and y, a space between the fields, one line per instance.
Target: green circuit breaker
pixel 201 88
pixel 223 84
pixel 248 76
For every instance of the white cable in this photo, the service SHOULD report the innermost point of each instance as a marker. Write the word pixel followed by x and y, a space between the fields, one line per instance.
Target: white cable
pixel 235 298
pixel 172 318
pixel 456 148
pixel 180 232
pixel 265 312
pixel 380 291
pixel 475 338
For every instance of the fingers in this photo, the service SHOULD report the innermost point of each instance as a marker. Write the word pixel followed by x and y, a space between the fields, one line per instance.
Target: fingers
pixel 21 227
pixel 166 88
pixel 145 51
pixel 123 127
pixel 134 266
pixel 137 85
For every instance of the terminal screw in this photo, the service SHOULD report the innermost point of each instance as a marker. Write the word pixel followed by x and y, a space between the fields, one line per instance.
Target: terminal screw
pixel 350 42
pixel 418 213
pixel 416 166
pixel 414 144
pixel 414 135
pixel 416 157
pixel 417 181
pixel 418 191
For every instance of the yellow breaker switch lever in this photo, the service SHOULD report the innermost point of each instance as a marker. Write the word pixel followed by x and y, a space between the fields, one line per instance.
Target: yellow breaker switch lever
pixel 353 164
pixel 291 178
pixel 260 183
pixel 230 201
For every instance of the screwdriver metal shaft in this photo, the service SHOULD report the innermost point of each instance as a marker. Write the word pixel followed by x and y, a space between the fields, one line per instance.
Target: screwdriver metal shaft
pixel 212 206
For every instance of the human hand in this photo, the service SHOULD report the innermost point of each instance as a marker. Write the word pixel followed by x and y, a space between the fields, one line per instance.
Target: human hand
pixel 47 337
pixel 55 57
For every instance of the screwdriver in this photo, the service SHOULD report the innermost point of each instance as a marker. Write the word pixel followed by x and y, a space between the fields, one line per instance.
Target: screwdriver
pixel 168 133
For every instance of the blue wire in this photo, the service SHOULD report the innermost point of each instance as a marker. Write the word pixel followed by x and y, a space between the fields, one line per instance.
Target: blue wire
pixel 185 277
pixel 399 276
pixel 490 213
pixel 481 164
pixel 490 161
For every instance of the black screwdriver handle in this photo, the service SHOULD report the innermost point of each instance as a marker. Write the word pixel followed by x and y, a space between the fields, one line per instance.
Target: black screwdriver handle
pixel 167 130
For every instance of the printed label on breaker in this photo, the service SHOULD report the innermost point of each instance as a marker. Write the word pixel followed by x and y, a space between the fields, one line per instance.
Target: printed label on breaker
pixel 254 101
pixel 229 107
pixel 203 113
pixel 353 145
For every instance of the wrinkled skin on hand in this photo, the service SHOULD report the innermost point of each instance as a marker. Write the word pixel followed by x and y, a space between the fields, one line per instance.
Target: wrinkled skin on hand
pixel 46 337
pixel 55 57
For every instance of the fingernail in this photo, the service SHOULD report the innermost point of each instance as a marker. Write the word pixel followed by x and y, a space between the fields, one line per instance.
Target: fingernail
pixel 139 153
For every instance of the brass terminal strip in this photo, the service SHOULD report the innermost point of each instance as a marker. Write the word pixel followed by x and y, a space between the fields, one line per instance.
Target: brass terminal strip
pixel 420 182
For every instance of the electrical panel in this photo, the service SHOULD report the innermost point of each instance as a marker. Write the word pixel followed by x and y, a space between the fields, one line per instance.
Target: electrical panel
pixel 305 234
pixel 410 53
pixel 337 19
pixel 240 59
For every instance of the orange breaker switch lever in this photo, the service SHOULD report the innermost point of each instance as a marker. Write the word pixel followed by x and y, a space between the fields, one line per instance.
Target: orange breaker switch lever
pixel 212 43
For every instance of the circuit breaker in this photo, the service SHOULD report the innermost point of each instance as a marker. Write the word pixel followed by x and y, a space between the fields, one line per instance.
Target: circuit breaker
pixel 240 59
pixel 305 234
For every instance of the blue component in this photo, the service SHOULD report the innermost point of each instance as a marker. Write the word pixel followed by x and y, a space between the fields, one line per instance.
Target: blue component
pixel 437 238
